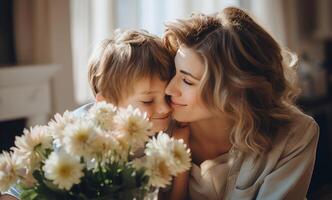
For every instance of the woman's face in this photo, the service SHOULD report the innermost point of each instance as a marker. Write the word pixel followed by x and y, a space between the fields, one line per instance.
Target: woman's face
pixel 186 99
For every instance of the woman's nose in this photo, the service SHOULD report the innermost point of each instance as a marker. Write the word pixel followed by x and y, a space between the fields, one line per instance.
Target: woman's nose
pixel 171 89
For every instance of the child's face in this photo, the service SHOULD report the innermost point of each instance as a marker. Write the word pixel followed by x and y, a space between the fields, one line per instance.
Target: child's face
pixel 149 96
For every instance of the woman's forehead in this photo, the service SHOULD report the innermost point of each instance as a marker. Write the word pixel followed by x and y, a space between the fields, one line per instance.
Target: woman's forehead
pixel 188 60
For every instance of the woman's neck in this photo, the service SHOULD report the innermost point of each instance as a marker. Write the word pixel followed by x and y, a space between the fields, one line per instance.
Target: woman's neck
pixel 210 138
pixel 211 130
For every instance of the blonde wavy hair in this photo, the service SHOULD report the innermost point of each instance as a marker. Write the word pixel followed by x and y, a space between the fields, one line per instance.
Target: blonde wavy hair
pixel 247 75
pixel 119 62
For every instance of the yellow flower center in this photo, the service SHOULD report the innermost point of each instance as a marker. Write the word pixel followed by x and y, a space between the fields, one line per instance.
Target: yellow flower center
pixel 82 137
pixel 163 169
pixel 177 155
pixel 132 127
pixel 64 171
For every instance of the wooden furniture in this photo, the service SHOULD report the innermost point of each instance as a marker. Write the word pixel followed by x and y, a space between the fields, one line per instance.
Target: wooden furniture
pixel 25 92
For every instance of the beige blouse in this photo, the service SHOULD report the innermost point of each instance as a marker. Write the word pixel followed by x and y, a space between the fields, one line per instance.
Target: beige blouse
pixel 282 173
pixel 208 180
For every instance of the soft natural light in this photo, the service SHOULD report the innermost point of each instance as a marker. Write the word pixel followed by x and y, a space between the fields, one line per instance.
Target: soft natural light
pixel 93 21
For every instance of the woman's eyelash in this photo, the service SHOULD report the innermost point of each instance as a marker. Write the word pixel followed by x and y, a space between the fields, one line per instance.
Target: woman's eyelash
pixel 187 82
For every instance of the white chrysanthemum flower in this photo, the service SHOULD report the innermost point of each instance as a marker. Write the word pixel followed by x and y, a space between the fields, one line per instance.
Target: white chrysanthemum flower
pixel 102 143
pixel 63 169
pixel 158 170
pixel 22 170
pixel 139 163
pixel 31 146
pixel 158 144
pixel 174 151
pixel 59 123
pixel 102 114
pixel 8 171
pixel 102 148
pixel 181 156
pixel 79 137
pixel 132 126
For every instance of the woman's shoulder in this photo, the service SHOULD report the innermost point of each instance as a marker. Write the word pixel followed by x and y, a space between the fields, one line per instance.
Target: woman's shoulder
pixel 299 115
pixel 301 122
pixel 301 130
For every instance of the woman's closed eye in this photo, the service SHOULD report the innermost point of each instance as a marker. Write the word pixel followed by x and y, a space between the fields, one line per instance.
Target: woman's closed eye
pixel 187 81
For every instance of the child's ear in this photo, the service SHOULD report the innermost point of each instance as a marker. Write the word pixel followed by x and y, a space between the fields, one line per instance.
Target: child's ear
pixel 100 97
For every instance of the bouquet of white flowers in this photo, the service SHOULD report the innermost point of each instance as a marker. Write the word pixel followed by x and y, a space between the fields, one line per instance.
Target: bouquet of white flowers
pixel 92 157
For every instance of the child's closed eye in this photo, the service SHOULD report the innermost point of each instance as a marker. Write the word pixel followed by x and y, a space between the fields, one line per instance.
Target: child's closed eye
pixel 147 102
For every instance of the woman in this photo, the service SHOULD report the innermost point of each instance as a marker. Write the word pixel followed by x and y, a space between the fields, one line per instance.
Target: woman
pixel 236 87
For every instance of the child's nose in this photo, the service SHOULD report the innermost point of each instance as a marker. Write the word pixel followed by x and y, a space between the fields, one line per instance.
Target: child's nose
pixel 164 108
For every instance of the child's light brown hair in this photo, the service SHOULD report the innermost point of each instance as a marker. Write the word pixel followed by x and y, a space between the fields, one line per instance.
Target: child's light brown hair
pixel 126 58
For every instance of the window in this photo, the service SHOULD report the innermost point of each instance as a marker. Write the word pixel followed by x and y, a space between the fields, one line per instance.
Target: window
pixel 93 21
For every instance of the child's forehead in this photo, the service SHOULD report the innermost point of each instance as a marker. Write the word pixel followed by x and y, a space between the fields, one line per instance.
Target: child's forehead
pixel 149 85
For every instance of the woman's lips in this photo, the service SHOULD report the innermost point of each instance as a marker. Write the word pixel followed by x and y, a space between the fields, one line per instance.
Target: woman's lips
pixel 176 104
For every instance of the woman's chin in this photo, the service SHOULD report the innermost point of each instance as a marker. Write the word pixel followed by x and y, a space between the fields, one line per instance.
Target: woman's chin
pixel 181 117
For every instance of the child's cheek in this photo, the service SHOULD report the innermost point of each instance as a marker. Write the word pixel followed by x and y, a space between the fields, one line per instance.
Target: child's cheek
pixel 149 115
pixel 147 111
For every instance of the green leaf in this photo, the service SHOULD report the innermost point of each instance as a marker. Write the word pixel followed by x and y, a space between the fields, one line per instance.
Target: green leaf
pixel 128 178
pixel 28 194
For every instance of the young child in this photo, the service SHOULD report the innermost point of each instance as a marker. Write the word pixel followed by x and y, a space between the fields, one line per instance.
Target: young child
pixel 132 68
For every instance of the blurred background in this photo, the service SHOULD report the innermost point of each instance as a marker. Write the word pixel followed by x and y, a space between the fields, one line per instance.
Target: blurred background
pixel 45 46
